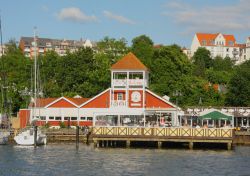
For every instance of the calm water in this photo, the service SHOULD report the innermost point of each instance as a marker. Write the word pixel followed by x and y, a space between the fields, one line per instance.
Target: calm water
pixel 64 159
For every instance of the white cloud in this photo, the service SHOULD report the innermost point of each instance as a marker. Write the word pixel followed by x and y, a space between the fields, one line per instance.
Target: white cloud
pixel 118 18
pixel 210 18
pixel 74 14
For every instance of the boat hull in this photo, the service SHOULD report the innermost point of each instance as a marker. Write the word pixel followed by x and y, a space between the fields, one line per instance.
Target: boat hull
pixel 27 138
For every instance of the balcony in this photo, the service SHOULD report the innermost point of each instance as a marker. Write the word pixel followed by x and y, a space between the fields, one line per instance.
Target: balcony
pixel 131 82
pixel 119 82
pixel 118 103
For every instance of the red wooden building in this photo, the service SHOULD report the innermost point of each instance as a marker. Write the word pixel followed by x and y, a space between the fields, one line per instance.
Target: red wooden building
pixel 128 102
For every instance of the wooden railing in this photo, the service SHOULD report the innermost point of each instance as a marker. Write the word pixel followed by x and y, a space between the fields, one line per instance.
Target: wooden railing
pixel 163 132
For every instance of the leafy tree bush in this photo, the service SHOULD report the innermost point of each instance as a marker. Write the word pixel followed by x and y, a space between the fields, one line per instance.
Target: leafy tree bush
pixel 62 124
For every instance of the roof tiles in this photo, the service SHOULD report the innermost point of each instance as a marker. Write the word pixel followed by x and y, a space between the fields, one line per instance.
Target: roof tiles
pixel 129 62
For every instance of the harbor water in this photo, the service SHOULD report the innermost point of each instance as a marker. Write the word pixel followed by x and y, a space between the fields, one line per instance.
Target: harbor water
pixel 65 159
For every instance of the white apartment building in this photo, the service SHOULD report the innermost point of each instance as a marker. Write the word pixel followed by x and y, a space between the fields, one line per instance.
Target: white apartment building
pixel 218 44
pixel 245 51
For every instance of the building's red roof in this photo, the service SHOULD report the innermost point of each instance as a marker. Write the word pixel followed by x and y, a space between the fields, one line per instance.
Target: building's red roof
pixel 129 62
pixel 78 101
pixel 209 39
pixel 42 102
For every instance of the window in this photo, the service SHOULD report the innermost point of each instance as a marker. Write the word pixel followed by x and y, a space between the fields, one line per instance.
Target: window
pixel 73 118
pixel 227 49
pixel 120 75
pixel 136 75
pixel 42 117
pixel 204 42
pixel 58 118
pixel 90 118
pixel 66 118
pixel 83 118
pixel 51 117
pixel 120 96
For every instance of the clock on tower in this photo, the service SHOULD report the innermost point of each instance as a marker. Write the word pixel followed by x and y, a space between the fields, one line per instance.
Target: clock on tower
pixel 136 96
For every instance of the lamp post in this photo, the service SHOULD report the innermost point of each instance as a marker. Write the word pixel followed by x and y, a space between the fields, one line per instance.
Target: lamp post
pixel 177 93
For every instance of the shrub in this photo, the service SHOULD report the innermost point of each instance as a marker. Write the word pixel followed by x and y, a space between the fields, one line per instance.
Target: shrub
pixel 62 125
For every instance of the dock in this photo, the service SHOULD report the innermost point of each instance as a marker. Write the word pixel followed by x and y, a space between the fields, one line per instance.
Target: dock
pixel 111 136
pixel 157 137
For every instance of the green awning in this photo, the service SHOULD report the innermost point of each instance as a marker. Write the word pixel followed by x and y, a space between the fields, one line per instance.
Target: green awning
pixel 216 115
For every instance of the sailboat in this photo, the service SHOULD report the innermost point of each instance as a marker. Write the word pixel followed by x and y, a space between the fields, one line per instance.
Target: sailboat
pixel 32 135
pixel 28 136
pixel 4 117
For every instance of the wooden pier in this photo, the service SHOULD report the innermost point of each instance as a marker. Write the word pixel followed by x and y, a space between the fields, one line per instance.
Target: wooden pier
pixel 65 136
pixel 110 136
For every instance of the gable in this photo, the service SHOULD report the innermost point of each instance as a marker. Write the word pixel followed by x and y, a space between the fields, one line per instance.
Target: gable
pixel 153 101
pixel 62 104
pixel 100 101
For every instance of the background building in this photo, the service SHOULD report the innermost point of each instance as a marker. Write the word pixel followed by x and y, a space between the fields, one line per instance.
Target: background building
pixel 218 44
pixel 26 44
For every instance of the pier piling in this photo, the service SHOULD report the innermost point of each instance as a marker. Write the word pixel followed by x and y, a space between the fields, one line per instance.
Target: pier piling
pixel 77 136
pixel 35 136
pixel 191 145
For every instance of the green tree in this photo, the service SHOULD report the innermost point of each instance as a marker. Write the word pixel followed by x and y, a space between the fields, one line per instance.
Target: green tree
pixel 169 67
pixel 142 47
pixel 202 60
pixel 49 65
pixel 112 48
pixel 220 64
pixel 239 92
pixel 17 69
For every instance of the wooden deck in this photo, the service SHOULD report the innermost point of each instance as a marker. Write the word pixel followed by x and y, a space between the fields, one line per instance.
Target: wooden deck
pixel 160 134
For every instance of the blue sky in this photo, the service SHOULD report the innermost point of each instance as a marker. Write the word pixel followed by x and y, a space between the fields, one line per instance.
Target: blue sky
pixel 164 21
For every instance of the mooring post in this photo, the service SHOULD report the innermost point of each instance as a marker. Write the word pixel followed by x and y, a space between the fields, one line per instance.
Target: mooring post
pixel 77 136
pixel 229 146
pixel 128 143
pixel 159 144
pixel 35 136
pixel 191 145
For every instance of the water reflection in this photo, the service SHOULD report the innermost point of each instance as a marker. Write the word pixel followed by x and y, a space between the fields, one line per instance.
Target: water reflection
pixel 56 159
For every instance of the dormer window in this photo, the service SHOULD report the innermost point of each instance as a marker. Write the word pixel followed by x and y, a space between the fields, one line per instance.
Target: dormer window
pixel 204 42
pixel 230 43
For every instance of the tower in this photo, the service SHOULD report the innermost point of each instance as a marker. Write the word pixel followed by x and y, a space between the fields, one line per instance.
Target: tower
pixel 129 79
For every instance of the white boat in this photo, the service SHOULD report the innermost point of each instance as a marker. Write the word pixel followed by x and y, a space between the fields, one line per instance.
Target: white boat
pixel 27 137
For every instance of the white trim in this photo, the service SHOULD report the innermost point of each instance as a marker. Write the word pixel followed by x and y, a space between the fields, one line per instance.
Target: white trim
pixel 168 102
pixel 64 98
pixel 86 102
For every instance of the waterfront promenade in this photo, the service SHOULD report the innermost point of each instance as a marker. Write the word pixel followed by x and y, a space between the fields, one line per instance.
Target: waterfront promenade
pixel 159 137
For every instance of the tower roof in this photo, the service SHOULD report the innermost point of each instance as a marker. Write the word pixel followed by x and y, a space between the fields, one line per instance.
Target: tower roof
pixel 129 62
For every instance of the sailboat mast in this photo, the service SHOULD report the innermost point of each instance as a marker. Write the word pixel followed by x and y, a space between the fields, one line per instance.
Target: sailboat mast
pixel 3 76
pixel 35 68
